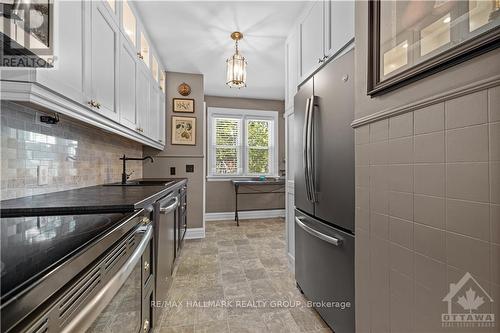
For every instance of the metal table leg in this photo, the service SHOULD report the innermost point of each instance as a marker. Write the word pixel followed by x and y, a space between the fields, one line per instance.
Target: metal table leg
pixel 236 217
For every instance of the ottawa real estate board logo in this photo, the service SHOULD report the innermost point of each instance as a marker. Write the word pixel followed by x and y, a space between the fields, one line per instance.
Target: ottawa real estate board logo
pixel 469 305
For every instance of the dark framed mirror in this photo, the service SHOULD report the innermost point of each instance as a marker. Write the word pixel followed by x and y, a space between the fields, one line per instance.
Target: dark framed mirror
pixel 408 40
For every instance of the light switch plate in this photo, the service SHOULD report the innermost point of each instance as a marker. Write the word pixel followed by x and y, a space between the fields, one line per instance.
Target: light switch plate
pixel 43 174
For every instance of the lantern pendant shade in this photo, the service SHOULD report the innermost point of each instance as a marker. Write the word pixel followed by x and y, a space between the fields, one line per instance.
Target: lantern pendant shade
pixel 236 74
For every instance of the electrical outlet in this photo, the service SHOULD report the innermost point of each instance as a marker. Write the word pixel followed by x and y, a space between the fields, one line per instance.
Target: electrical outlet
pixel 172 171
pixel 43 174
pixel 189 167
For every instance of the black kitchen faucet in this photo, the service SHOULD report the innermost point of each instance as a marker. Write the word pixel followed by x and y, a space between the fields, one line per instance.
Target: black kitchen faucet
pixel 124 158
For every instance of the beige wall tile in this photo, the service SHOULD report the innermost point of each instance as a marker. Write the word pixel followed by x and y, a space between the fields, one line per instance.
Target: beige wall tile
pixel 362 176
pixel 401 232
pixel 468 218
pixel 379 225
pixel 401 205
pixel 378 152
pixel 379 177
pixel 379 131
pixel 362 219
pixel 400 151
pixel 430 273
pixel 494 142
pixel 495 182
pixel 494 103
pixel 468 144
pixel 401 259
pixel 401 126
pixel 379 201
pixel 467 181
pixel 429 179
pixel 401 303
pixel 362 135
pixel 429 119
pixel 429 148
pixel 429 210
pixel 362 155
pixel 495 263
pixel 467 110
pixel 363 197
pixel 430 242
pixel 400 177
pixel 469 254
pixel 495 223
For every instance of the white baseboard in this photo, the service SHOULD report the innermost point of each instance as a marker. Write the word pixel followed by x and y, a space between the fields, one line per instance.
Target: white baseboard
pixel 254 214
pixel 195 233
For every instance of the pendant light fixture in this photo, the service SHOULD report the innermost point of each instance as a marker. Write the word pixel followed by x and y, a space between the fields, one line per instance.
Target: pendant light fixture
pixel 236 74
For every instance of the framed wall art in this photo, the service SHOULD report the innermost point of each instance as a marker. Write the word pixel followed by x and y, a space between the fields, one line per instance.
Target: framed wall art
pixel 183 105
pixel 409 40
pixel 183 130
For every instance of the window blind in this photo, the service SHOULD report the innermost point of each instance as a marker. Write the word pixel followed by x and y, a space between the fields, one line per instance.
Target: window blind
pixel 227 146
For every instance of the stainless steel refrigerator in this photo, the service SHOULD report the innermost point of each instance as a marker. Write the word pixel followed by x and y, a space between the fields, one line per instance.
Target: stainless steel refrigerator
pixel 324 191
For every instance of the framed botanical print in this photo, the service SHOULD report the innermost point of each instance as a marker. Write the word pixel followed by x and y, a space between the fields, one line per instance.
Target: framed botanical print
pixel 185 105
pixel 409 40
pixel 183 130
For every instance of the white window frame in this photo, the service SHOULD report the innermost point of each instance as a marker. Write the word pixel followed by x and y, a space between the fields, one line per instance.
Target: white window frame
pixel 243 115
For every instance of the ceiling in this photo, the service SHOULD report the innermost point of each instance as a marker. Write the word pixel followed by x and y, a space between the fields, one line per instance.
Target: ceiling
pixel 194 37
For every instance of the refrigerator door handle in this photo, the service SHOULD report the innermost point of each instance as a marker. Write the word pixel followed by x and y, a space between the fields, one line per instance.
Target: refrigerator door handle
pixel 310 151
pixel 305 143
pixel 315 233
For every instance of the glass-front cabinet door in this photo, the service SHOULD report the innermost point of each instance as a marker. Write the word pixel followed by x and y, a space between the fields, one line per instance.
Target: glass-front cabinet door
pixel 162 81
pixel 144 49
pixel 129 22
pixel 154 68
pixel 408 37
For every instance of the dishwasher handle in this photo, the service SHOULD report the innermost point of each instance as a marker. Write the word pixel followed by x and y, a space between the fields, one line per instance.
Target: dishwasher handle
pixel 168 209
pixel 316 233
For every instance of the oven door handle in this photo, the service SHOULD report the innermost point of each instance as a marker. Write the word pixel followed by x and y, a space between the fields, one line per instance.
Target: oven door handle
pixel 94 307
pixel 168 209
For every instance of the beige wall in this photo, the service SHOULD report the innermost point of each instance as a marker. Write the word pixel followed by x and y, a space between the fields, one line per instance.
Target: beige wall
pixel 427 194
pixel 76 154
pixel 220 194
pixel 179 155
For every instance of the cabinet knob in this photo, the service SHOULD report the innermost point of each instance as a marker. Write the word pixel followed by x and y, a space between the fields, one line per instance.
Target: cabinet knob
pixel 140 55
pixel 91 103
pixel 145 327
pixel 320 60
pixel 98 105
pixel 146 266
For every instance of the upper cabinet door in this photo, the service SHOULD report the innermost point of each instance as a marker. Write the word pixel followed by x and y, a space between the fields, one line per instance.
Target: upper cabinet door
pixel 70 27
pixel 311 40
pixel 154 113
pixel 143 99
pixel 339 25
pixel 162 123
pixel 127 89
pixel 104 46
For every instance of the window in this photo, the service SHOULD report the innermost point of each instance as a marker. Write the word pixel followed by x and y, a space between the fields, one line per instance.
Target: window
pixel 242 143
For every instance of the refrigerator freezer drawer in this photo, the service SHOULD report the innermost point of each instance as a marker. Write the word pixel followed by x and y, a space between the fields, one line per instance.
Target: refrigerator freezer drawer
pixel 324 270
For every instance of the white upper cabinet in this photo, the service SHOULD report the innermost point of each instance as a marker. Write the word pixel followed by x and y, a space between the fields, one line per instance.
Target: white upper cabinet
pixel 103 62
pixel 129 23
pixel 311 39
pixel 143 99
pixel 127 89
pixel 144 52
pixel 339 20
pixel 326 27
pixel 67 78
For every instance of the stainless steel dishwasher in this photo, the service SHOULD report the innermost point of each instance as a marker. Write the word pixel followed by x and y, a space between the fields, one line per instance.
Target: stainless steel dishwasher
pixel 165 215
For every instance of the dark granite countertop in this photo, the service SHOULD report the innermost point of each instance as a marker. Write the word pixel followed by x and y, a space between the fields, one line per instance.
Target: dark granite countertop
pixel 89 200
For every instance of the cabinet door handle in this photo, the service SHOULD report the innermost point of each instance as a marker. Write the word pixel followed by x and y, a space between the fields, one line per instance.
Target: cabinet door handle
pixel 91 103
pixel 320 60
pixel 98 105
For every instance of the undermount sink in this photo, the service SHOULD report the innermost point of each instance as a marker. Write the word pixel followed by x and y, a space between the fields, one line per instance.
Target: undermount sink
pixel 142 183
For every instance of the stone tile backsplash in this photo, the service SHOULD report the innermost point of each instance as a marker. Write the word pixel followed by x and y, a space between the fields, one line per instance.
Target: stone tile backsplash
pixel 75 154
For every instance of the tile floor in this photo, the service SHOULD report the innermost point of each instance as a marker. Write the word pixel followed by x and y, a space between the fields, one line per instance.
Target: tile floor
pixel 245 266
